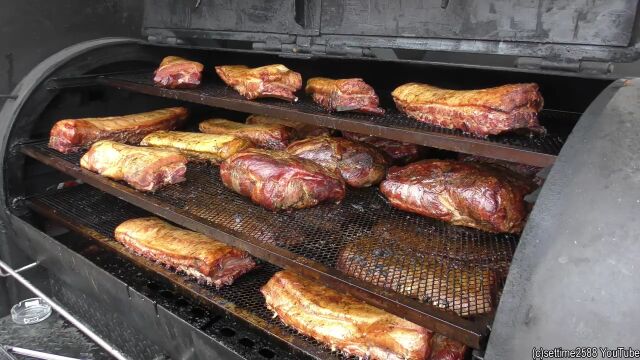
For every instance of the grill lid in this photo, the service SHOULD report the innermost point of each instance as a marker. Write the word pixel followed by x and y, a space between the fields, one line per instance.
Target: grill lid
pixel 561 35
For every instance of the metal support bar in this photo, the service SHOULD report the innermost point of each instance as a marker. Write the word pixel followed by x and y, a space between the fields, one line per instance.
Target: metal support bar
pixel 82 327
pixel 59 83
pixel 36 354
pixel 26 267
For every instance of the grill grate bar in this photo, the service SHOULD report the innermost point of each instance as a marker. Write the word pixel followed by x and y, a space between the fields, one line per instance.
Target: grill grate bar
pixel 443 266
pixel 537 150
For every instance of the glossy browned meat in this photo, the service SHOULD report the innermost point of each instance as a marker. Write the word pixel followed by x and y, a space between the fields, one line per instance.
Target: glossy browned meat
pixel 398 153
pixel 75 134
pixel 277 180
pixel 443 348
pixel 206 259
pixel 424 266
pixel 359 164
pixel 525 170
pixel 266 136
pixel 300 129
pixel 344 95
pixel 481 112
pixel 343 322
pixel 146 169
pixel 275 81
pixel 462 193
pixel 175 72
pixel 214 148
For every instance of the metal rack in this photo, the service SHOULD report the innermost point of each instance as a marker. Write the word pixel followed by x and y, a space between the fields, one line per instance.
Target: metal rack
pixel 311 241
pixel 95 215
pixel 537 150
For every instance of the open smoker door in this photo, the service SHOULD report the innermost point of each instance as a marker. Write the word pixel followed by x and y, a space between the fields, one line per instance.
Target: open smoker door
pixel 538 306
pixel 573 280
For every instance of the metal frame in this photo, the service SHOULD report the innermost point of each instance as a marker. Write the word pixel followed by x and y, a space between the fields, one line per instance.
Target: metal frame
pixel 63 312
pixel 439 138
pixel 182 284
pixel 469 332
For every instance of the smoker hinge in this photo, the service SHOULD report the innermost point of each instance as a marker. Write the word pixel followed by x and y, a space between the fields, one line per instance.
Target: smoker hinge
pixel 576 66
pixel 17 203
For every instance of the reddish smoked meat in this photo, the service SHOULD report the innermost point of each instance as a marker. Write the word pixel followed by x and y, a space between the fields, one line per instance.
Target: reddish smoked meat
pixel 398 153
pixel 266 136
pixel 204 258
pixel 72 135
pixel 480 112
pixel 300 129
pixel 146 169
pixel 277 180
pixel 359 164
pixel 275 81
pixel 175 72
pixel 344 95
pixel 525 170
pixel 462 193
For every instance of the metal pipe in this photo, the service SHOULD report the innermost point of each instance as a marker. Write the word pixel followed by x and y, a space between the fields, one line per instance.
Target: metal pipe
pixel 77 323
pixel 36 354
pixel 26 267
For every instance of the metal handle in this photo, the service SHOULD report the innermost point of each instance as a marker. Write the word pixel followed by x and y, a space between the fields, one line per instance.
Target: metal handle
pixel 82 327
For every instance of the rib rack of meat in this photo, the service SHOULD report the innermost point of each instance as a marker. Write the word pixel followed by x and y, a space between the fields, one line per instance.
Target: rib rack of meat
pixel 398 153
pixel 214 148
pixel 267 136
pixel 300 129
pixel 175 72
pixel 359 164
pixel 278 180
pixel 462 193
pixel 275 81
pixel 146 169
pixel 480 112
pixel 344 95
pixel 350 325
pixel 204 258
pixel 72 135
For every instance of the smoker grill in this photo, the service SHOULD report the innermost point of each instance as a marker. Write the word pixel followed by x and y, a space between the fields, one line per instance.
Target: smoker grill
pixel 539 298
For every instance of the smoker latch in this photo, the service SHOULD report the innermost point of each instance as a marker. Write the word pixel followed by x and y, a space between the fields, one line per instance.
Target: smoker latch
pixel 576 66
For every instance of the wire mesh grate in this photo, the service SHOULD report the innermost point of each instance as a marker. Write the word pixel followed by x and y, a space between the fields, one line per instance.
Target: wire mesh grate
pixel 101 212
pixel 549 143
pixel 454 268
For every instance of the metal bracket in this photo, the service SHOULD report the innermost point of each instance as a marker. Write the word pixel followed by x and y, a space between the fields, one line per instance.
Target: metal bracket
pixel 85 80
pixel 72 81
pixel 592 67
pixel 24 268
